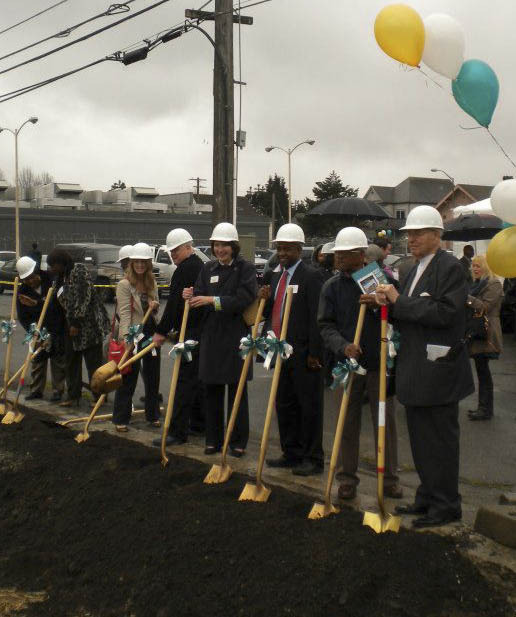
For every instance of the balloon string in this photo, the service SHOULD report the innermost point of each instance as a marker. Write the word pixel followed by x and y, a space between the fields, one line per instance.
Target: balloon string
pixel 431 78
pixel 501 148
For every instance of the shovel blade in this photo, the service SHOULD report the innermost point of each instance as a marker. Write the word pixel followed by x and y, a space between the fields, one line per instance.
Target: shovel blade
pixel 82 437
pixel 254 492
pixel 218 474
pixel 9 418
pixel 322 510
pixel 381 524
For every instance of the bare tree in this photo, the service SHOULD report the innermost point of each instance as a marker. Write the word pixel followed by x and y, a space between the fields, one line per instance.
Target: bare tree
pixel 28 177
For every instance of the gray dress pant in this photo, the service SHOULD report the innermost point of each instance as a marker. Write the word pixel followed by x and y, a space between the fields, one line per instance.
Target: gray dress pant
pixel 349 450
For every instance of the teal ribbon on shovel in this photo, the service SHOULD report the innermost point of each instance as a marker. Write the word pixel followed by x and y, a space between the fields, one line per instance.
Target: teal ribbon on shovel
pixel 393 344
pixel 276 347
pixel 185 349
pixel 6 328
pixel 342 371
pixel 249 344
pixel 42 334
pixel 134 334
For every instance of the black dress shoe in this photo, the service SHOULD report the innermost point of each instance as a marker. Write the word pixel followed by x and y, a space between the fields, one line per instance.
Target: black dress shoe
pixel 33 396
pixel 435 520
pixel 236 452
pixel 211 450
pixel 411 508
pixel 307 469
pixel 283 462
pixel 56 396
pixel 480 415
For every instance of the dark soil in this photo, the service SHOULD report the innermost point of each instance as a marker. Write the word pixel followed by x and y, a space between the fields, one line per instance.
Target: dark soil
pixel 105 532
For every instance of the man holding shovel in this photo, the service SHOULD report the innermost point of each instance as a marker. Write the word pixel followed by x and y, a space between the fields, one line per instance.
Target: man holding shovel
pixel 338 315
pixel 433 371
pixel 299 400
pixel 180 246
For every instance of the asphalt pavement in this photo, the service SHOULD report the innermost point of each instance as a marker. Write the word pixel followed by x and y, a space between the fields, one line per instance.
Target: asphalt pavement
pixel 488 455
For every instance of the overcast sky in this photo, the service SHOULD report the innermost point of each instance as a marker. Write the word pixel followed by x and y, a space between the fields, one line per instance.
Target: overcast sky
pixel 313 70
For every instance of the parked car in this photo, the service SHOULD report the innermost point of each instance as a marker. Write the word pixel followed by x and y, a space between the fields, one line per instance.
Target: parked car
pixel 272 262
pixel 8 273
pixel 206 249
pixel 6 256
pixel 263 253
pixel 165 267
pixel 101 260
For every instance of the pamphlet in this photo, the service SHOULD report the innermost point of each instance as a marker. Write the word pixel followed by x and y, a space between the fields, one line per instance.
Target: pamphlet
pixel 370 277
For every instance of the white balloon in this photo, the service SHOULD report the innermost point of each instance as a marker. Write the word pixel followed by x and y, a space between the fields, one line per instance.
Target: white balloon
pixel 503 201
pixel 444 45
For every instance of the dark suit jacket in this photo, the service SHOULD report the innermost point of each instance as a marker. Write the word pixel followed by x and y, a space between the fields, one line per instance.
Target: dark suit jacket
pixel 303 331
pixel 438 317
pixel 54 320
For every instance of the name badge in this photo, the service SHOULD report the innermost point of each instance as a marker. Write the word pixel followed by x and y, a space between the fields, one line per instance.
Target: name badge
pixel 60 291
pixel 294 288
pixel 214 279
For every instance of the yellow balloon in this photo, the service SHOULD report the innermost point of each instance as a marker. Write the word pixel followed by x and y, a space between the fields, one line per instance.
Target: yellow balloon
pixel 501 253
pixel 400 32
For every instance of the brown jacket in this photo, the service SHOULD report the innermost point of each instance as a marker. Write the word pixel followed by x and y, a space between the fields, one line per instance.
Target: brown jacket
pixel 131 313
pixel 489 301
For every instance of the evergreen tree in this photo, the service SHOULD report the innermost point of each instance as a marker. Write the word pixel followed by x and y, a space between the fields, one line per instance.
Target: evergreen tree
pixel 260 199
pixel 118 185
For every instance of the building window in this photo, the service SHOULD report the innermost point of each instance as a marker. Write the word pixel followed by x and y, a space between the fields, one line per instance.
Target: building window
pixel 400 214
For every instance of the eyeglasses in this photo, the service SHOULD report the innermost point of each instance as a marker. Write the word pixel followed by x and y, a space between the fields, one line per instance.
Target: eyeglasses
pixel 416 233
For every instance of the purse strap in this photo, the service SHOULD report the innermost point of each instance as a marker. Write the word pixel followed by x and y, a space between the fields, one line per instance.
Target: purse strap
pixel 115 316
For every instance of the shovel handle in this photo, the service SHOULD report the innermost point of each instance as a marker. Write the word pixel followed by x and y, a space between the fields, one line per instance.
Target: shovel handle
pixel 173 387
pixel 343 412
pixel 130 347
pixel 382 396
pixel 241 383
pixel 274 389
pixel 8 351
pixel 13 378
pixel 137 356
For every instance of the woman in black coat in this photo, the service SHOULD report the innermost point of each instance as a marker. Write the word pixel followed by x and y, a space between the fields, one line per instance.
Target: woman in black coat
pixel 226 286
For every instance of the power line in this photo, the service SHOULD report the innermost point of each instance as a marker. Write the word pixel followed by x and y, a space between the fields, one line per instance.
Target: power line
pixel 24 21
pixel 113 9
pixel 85 37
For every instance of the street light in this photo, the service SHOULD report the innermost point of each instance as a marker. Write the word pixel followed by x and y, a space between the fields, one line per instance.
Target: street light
pixel 289 152
pixel 16 132
pixel 452 181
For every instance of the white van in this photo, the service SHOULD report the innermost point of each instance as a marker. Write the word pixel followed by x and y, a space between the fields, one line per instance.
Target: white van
pixel 166 267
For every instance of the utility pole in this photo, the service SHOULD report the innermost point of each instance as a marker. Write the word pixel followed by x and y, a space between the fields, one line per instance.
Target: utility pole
pixel 223 113
pixel 198 184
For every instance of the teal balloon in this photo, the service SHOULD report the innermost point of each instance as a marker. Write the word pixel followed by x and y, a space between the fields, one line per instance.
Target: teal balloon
pixel 476 90
pixel 505 225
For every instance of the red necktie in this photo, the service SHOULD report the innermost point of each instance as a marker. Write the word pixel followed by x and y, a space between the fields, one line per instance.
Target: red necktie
pixel 278 304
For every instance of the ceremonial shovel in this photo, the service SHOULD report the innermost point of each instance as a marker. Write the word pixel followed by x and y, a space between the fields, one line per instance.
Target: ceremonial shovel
pixel 3 407
pixel 104 380
pixel 15 415
pixel 259 492
pixel 222 473
pixel 382 522
pixel 321 510
pixel 173 387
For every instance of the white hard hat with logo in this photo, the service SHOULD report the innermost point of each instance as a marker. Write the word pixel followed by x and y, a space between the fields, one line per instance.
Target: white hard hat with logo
pixel 124 252
pixel 25 267
pixel 327 249
pixel 141 251
pixel 290 232
pixel 176 237
pixel 349 239
pixel 423 217
pixel 224 232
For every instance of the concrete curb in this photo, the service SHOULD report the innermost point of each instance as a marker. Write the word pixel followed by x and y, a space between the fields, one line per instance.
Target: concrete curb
pixel 498 523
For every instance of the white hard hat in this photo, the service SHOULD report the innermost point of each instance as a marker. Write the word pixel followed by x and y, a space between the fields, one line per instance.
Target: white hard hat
pixel 290 232
pixel 423 217
pixel 327 249
pixel 176 237
pixel 350 238
pixel 141 251
pixel 224 232
pixel 124 252
pixel 25 267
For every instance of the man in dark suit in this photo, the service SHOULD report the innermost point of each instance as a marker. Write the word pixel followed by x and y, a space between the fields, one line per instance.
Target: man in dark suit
pixel 188 265
pixel 468 253
pixel 433 372
pixel 299 400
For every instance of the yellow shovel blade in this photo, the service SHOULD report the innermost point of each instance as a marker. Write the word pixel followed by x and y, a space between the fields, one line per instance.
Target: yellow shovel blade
pixel 381 524
pixel 12 416
pixel 253 492
pixel 322 510
pixel 5 408
pixel 82 437
pixel 218 474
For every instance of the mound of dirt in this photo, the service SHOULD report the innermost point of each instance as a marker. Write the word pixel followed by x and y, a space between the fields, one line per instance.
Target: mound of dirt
pixel 100 530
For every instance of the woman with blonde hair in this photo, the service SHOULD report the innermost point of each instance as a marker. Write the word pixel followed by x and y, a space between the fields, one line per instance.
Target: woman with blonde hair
pixel 134 295
pixel 485 298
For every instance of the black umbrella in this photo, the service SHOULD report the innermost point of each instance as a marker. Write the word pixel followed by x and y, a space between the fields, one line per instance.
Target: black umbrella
pixel 472 227
pixel 350 206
